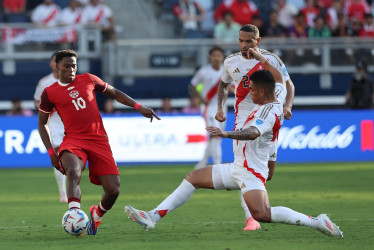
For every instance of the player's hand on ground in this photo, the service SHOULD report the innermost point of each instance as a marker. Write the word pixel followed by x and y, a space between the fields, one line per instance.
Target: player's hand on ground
pixel 220 116
pixel 287 113
pixel 148 112
pixel 216 132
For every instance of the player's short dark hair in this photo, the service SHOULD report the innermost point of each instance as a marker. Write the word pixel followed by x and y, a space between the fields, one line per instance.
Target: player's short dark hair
pixel 250 28
pixel 263 79
pixel 216 48
pixel 65 53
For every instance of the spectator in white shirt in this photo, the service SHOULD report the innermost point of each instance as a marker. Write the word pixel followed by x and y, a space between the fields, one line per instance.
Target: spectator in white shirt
pixel 72 14
pixel 100 14
pixel 46 14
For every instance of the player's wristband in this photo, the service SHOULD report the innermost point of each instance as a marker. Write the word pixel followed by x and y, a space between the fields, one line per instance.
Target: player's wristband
pixel 137 106
pixel 51 151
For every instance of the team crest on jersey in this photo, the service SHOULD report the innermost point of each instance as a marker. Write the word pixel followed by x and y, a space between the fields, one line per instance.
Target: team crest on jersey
pixel 259 122
pixel 74 94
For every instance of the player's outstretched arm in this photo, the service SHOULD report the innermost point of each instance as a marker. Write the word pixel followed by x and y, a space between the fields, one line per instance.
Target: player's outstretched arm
pixel 255 53
pixel 289 99
pixel 222 96
pixel 128 101
pixel 42 127
pixel 250 133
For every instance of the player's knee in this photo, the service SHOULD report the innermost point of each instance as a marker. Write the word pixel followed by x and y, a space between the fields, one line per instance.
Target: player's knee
pixel 73 173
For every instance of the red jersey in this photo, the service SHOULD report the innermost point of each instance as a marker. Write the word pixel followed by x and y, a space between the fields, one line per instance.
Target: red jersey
pixel 243 11
pixel 76 104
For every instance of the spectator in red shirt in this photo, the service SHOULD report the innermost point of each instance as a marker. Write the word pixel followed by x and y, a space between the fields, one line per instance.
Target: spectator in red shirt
pixel 14 6
pixel 243 11
pixel 368 28
pixel 310 12
pixel 356 9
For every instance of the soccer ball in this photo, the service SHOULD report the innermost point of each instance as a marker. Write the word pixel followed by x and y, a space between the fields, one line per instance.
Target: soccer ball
pixel 74 222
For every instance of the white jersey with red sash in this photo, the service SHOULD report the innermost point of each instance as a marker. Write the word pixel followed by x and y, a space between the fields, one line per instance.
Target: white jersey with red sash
pixel 46 15
pixel 254 154
pixel 210 78
pixel 98 14
pixel 237 69
pixel 69 16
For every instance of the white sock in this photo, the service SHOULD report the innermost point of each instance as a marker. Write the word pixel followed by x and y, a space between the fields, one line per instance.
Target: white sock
pixel 61 182
pixel 204 161
pixel 244 205
pixel 216 150
pixel 176 199
pixel 288 216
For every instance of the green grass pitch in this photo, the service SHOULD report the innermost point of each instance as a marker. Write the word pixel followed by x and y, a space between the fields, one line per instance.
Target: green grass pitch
pixel 30 214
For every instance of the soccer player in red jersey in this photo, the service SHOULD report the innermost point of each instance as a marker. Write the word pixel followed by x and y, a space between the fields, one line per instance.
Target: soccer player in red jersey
pixel 73 97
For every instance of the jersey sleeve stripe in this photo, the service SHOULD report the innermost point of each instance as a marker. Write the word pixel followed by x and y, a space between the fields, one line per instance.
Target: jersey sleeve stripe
pixel 265 112
pixel 44 111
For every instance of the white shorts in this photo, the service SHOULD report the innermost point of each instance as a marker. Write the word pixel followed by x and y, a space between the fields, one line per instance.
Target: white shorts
pixel 232 176
pixel 273 151
pixel 56 129
pixel 210 120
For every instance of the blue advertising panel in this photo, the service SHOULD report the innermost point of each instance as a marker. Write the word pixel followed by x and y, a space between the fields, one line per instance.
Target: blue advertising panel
pixel 323 136
pixel 310 136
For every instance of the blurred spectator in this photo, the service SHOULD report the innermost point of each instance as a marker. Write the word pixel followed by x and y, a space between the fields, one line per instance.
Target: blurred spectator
pixel 300 29
pixel 258 22
pixel 342 29
pixel 286 13
pixel 46 14
pixel 367 29
pixel 332 14
pixel 243 10
pixel 264 7
pixel 100 14
pixel 207 25
pixel 274 29
pixel 227 29
pixel 310 11
pixel 14 6
pixel 17 109
pixel 193 108
pixel 299 4
pixel 108 107
pixel 166 108
pixel 360 94
pixel 72 14
pixel 320 29
pixel 356 9
pixel 190 14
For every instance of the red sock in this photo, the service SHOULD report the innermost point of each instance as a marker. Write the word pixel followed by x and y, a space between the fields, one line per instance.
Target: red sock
pixel 101 210
pixel 74 203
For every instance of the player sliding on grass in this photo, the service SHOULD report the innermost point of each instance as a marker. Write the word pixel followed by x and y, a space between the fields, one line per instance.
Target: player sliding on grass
pixel 73 97
pixel 249 170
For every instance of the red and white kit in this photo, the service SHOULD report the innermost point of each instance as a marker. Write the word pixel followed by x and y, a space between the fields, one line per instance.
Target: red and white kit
pixel 210 78
pixel 237 69
pixel 46 15
pixel 249 170
pixel 55 125
pixel 85 135
pixel 98 14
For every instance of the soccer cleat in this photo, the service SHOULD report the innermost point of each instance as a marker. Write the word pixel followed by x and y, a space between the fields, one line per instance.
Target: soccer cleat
pixel 325 225
pixel 140 217
pixel 93 225
pixel 252 225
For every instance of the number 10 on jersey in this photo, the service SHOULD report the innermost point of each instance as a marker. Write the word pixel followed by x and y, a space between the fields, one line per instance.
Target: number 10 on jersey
pixel 79 103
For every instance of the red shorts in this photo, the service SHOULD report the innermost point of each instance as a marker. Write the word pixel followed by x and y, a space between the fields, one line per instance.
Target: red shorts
pixel 98 154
